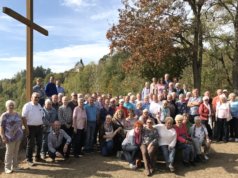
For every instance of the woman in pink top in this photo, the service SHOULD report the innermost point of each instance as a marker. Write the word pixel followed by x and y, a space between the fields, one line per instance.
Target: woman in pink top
pixel 79 124
pixel 223 115
pixel 184 142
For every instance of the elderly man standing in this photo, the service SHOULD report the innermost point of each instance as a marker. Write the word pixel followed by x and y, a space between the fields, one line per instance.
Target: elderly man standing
pixel 92 118
pixel 50 88
pixel 56 144
pixel 32 113
pixel 39 88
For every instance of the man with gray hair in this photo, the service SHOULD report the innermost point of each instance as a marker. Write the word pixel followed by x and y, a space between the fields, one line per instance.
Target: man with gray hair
pixel 50 115
pixel 32 112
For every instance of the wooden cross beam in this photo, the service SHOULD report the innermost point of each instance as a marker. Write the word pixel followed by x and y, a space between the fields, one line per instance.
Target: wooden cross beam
pixel 30 27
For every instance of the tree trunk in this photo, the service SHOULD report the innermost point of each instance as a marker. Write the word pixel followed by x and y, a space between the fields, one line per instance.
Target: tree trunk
pixel 197 49
pixel 235 61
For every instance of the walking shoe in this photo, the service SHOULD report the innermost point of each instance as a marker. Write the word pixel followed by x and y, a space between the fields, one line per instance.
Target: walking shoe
pixel 236 140
pixel 206 157
pixel 186 164
pixel 132 166
pixel 192 163
pixel 8 171
pixel 171 168
pixel 17 169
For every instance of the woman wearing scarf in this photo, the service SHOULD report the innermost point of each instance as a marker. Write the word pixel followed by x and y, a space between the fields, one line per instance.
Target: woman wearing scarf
pixel 131 144
pixel 205 112
pixel 106 135
pixel 149 146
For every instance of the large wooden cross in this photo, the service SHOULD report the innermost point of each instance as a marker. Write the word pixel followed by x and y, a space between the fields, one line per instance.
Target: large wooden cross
pixel 28 21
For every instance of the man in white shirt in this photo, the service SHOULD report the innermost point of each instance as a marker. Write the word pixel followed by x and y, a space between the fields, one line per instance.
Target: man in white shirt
pixel 32 114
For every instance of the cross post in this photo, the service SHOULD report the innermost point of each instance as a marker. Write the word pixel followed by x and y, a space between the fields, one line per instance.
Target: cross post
pixel 30 26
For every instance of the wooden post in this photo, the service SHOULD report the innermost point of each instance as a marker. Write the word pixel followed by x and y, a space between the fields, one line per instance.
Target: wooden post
pixel 29 50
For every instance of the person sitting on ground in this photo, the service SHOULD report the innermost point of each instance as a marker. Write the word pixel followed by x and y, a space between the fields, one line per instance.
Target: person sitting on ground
pixel 200 139
pixel 149 147
pixel 106 134
pixel 57 147
pixel 184 141
pixel 167 141
pixel 131 144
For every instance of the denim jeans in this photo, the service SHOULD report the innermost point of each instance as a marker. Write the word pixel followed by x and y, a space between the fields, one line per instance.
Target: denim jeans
pixel 168 154
pixel 44 147
pixel 130 152
pixel 188 151
pixel 107 148
pixel 58 149
pixel 35 134
pixel 91 126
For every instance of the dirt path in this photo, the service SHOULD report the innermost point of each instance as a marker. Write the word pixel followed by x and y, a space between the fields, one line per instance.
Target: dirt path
pixel 223 164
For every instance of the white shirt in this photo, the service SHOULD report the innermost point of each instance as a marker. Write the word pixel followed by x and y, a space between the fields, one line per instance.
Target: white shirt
pixel 154 108
pixel 33 114
pixel 166 136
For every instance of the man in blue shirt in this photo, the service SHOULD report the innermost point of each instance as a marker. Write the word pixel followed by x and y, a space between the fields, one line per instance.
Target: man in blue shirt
pixel 92 118
pixel 50 88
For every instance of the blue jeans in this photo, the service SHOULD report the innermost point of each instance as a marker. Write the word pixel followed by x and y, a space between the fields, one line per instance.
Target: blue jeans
pixel 44 147
pixel 188 151
pixel 168 154
pixel 107 148
pixel 130 152
pixel 91 126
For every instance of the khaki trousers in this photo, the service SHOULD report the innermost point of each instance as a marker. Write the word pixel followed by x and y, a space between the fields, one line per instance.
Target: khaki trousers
pixel 11 154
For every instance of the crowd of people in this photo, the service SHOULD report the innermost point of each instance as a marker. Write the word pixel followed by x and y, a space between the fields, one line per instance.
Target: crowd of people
pixel 164 118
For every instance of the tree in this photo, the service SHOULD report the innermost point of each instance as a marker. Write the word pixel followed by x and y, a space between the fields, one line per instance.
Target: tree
pixel 146 30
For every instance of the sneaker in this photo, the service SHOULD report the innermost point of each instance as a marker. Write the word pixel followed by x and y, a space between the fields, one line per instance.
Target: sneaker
pixel 236 140
pixel 171 168
pixel 132 166
pixel 43 156
pixel 206 157
pixel 30 163
pixel 8 171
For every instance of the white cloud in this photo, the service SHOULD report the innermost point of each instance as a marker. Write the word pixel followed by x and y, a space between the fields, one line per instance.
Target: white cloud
pixel 76 4
pixel 104 15
pixel 58 60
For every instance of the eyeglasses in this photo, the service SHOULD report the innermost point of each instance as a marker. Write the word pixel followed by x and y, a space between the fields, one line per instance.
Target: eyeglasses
pixel 36 97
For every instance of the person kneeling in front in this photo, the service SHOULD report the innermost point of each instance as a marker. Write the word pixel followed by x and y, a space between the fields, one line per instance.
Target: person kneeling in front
pixel 56 145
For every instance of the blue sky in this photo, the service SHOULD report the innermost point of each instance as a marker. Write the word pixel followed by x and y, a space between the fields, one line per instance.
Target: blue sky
pixel 77 29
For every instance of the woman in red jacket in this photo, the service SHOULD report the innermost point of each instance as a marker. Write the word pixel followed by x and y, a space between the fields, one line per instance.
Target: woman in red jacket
pixel 205 112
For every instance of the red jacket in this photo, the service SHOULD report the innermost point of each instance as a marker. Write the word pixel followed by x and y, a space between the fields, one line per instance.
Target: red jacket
pixel 203 112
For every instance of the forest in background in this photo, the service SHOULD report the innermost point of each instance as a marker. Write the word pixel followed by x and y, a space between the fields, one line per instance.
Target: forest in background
pixel 108 76
pixel 194 40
